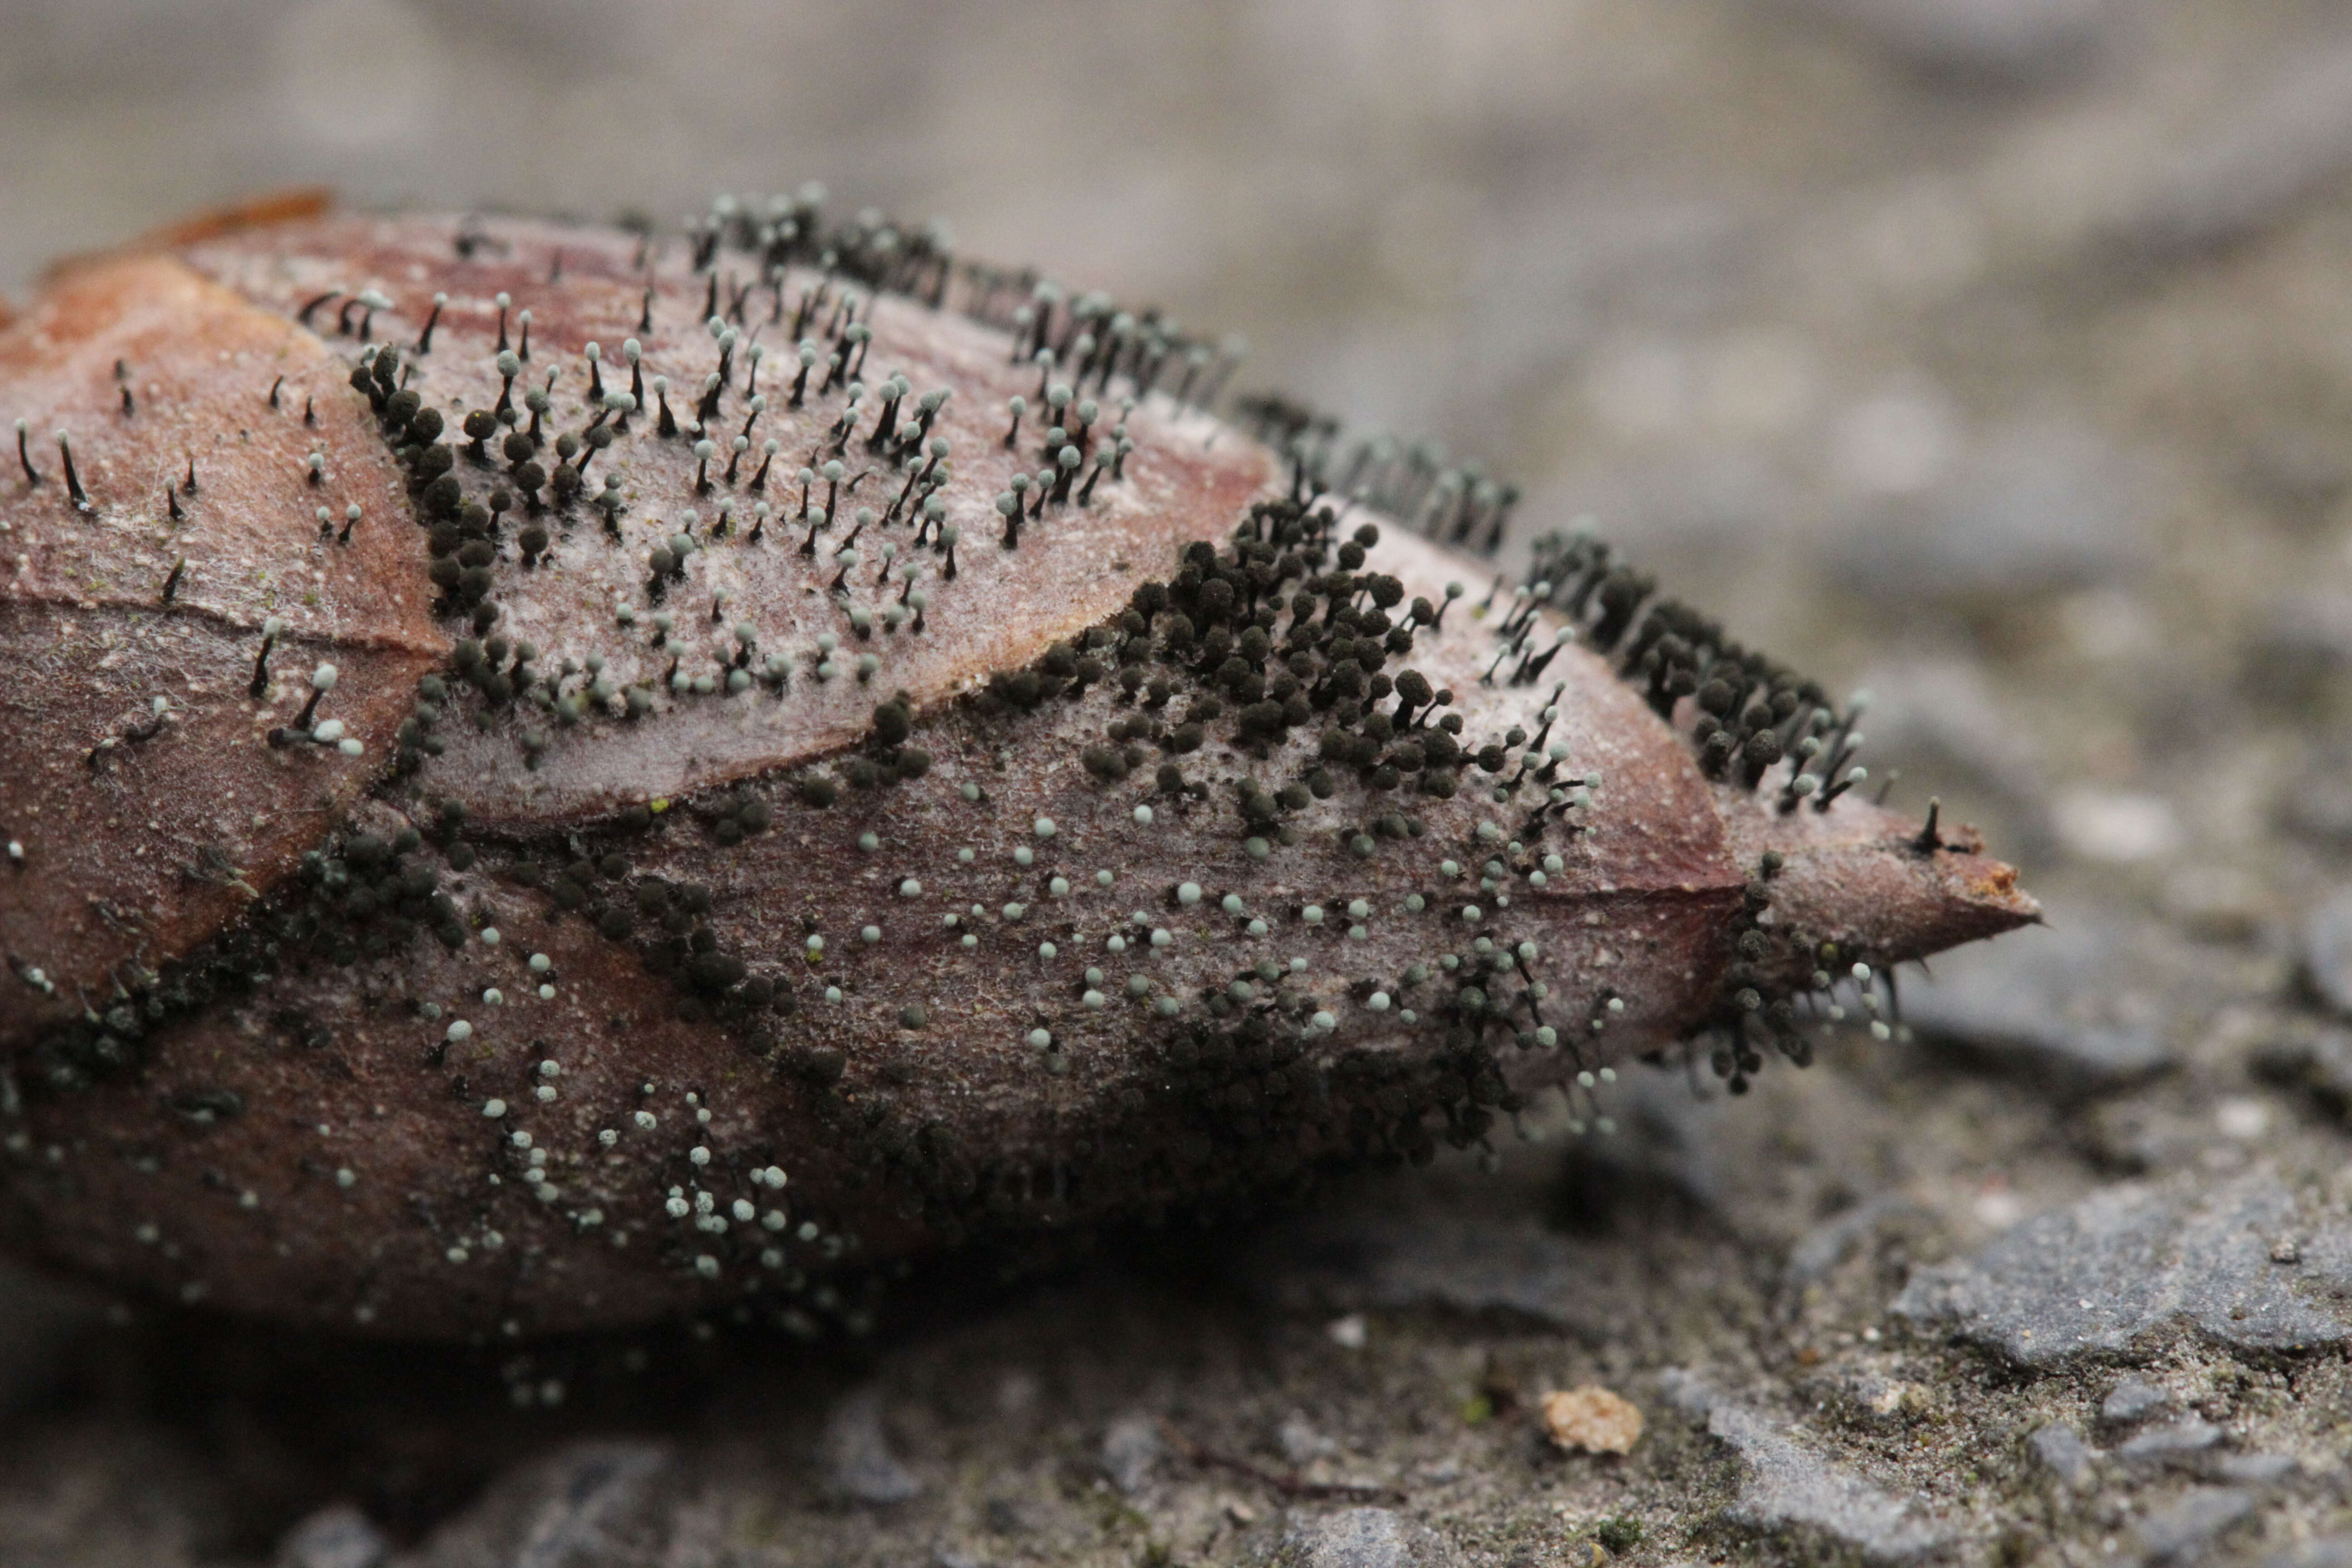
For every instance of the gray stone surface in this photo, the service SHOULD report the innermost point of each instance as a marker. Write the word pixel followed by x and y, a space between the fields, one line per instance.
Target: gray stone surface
pixel 84 1493
pixel 1406 1244
pixel 2063 1452
pixel 856 1448
pixel 339 1536
pixel 2134 1399
pixel 1131 1451
pixel 1939 715
pixel 1359 1538
pixel 2320 1064
pixel 2332 1551
pixel 2091 1279
pixel 2258 1469
pixel 591 1505
pixel 1300 1442
pixel 1825 1246
pixel 2303 643
pixel 2005 43
pixel 1788 1487
pixel 2036 509
pixel 2180 1529
pixel 2141 1133
pixel 2328 950
pixel 2174 1443
pixel 2313 803
pixel 2060 1004
pixel 1673 1132
pixel 2255 160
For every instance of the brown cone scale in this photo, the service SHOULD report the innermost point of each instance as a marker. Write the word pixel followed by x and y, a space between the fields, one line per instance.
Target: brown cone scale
pixel 961 970
pixel 145 830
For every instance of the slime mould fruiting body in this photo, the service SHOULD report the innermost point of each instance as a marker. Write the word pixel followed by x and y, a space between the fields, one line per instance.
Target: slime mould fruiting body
pixel 555 777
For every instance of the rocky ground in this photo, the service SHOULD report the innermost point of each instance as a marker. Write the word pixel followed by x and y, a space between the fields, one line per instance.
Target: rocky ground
pixel 1993 354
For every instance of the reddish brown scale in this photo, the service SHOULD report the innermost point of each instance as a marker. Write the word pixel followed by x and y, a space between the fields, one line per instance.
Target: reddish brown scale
pixel 306 1136
pixel 1189 480
pixel 144 834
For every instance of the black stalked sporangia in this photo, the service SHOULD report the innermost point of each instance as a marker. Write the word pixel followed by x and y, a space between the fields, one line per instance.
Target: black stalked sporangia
pixel 563 898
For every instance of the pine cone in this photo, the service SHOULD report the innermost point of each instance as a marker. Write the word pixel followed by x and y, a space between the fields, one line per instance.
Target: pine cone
pixel 556 777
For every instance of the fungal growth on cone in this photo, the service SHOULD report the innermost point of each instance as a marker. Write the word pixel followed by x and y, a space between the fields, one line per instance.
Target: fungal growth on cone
pixel 555 777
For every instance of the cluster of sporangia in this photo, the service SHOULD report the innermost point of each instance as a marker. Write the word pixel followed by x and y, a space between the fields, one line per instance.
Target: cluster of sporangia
pixel 1277 647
